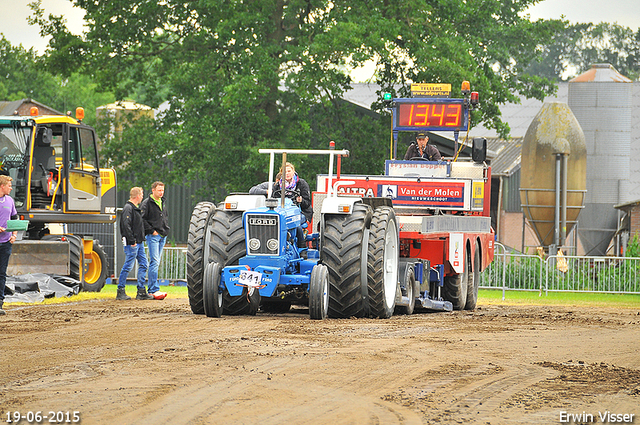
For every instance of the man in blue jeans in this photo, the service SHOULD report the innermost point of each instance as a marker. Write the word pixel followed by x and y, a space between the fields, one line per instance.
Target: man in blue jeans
pixel 132 231
pixel 156 229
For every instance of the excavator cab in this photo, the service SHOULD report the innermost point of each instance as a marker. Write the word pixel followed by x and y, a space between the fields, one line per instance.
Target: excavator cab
pixel 64 153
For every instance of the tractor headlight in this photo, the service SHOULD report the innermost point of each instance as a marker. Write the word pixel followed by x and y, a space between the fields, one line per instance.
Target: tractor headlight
pixel 254 244
pixel 272 244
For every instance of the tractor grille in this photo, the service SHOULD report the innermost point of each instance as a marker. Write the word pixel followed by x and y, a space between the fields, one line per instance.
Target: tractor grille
pixel 262 228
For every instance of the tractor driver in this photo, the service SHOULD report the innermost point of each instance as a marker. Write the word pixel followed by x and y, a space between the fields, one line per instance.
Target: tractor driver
pixel 297 189
pixel 421 149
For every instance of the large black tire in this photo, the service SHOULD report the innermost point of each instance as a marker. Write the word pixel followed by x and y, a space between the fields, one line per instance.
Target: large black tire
pixel 342 252
pixel 408 278
pixel 474 280
pixel 243 304
pixel 95 271
pixel 76 255
pixel 456 286
pixel 197 253
pixel 226 241
pixel 211 295
pixel 382 263
pixel 319 293
pixel 277 307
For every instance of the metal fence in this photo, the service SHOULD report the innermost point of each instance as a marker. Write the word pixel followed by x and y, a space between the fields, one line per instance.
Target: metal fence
pixel 508 271
pixel 173 266
pixel 514 271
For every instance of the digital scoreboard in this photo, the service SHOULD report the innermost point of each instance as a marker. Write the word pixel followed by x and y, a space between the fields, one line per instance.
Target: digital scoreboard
pixel 431 114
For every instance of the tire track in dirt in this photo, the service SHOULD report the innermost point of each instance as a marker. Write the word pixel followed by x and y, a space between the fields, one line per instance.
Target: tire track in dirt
pixel 275 391
pixel 469 394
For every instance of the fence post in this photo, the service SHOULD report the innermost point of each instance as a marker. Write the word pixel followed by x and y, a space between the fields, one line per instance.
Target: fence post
pixel 504 272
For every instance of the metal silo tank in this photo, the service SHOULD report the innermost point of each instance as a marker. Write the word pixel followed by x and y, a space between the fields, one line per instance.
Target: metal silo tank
pixel 601 101
pixel 553 131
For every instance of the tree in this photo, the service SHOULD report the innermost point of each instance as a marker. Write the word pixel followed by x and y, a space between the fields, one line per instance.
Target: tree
pixel 573 50
pixel 24 76
pixel 240 75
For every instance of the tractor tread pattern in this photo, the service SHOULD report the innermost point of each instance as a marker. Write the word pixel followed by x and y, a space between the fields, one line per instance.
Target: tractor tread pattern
pixel 226 246
pixel 195 254
pixel 342 254
pixel 375 263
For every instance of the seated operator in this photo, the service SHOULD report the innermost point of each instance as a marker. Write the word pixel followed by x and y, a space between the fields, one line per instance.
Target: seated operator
pixel 297 189
pixel 420 149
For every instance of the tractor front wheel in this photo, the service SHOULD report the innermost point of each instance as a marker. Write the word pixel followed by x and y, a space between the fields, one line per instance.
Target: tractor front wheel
pixel 211 294
pixel 319 293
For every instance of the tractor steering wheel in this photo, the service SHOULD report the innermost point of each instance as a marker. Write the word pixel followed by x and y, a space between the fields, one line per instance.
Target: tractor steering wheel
pixel 278 193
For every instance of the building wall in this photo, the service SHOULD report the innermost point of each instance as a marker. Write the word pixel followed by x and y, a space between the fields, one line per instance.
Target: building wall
pixel 510 232
pixel 634 225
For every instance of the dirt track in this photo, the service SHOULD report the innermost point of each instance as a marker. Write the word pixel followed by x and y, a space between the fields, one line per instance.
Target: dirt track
pixel 154 362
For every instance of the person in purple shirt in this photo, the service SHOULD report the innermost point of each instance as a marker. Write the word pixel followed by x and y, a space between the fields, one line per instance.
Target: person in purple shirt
pixel 7 211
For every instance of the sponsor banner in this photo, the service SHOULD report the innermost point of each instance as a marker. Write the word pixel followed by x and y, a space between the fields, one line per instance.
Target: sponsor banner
pixel 437 194
pixel 444 194
pixel 430 90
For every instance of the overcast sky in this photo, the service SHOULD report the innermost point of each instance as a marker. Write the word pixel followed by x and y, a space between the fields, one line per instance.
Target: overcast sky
pixel 15 28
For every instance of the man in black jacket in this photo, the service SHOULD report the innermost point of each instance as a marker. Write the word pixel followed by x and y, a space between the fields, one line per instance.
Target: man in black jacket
pixel 421 149
pixel 132 231
pixel 156 229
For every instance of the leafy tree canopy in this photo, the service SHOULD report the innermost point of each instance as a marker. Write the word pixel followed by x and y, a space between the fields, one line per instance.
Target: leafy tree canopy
pixel 244 74
pixel 573 51
pixel 22 76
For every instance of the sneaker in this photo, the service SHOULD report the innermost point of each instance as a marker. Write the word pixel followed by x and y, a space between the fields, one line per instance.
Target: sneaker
pixel 142 295
pixel 2 312
pixel 159 295
pixel 122 295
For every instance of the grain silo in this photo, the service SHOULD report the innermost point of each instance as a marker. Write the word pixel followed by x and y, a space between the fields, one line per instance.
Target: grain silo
pixel 553 173
pixel 601 102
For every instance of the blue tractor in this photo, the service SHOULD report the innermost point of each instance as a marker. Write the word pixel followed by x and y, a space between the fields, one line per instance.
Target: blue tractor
pixel 245 253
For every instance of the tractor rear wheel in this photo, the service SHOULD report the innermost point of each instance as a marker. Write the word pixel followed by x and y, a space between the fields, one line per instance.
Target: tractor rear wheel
pixel 382 263
pixel 225 238
pixel 245 304
pixel 319 292
pixel 344 252
pixel 474 281
pixel 197 254
pixel 277 307
pixel 211 295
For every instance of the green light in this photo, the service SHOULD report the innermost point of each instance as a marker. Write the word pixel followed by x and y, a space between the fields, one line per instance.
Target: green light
pixel 387 96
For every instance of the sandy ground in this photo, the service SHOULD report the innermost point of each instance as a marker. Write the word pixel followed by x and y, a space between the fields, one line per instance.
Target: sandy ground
pixel 154 362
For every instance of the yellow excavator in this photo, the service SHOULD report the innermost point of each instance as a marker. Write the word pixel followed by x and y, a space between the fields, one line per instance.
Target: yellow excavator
pixel 57 180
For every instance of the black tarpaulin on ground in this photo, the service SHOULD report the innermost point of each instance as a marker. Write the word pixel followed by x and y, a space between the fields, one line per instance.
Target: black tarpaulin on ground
pixel 35 287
